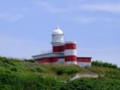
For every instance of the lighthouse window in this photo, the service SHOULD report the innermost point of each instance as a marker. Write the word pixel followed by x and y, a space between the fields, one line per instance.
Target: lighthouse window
pixel 53 36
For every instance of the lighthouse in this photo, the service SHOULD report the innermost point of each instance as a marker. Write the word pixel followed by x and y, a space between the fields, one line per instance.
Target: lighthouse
pixel 58 40
pixel 63 52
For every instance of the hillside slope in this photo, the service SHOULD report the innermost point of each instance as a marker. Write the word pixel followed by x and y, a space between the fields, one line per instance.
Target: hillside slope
pixel 28 75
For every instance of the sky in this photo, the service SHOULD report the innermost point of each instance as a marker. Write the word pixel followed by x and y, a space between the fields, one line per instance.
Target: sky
pixel 26 27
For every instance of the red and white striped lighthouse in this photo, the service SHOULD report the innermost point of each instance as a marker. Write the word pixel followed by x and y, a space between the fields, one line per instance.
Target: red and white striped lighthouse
pixel 58 40
pixel 70 53
pixel 64 52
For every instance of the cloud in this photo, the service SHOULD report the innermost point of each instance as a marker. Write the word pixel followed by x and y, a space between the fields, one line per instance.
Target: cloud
pixel 79 7
pixel 51 7
pixel 10 16
pixel 113 8
pixel 87 20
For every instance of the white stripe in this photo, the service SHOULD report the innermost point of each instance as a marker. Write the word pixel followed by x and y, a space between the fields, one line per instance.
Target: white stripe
pixel 83 64
pixel 58 43
pixel 70 52
pixel 70 62
pixel 67 42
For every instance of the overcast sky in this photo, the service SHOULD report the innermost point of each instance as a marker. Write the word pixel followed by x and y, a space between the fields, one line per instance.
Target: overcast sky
pixel 26 27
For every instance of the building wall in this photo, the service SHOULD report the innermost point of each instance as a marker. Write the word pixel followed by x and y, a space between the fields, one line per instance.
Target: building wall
pixel 84 61
pixel 81 61
pixel 54 60
pixel 83 64
pixel 58 48
pixel 70 53
pixel 48 60
pixel 44 60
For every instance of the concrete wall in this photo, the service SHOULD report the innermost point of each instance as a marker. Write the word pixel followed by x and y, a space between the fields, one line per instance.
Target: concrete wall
pixel 83 64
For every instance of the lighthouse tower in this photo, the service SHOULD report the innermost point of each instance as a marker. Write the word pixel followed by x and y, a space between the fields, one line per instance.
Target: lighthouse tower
pixel 70 53
pixel 58 40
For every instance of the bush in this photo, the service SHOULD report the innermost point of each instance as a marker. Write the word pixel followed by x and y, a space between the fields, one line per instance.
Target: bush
pixel 104 64
pixel 92 84
pixel 66 69
pixel 60 71
pixel 29 60
pixel 21 81
pixel 37 69
pixel 14 69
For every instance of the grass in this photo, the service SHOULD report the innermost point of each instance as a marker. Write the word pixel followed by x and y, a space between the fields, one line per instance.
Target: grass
pixel 28 75
pixel 107 72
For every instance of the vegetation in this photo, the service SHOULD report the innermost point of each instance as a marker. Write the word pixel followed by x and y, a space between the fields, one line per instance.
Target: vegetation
pixel 92 84
pixel 25 74
pixel 104 64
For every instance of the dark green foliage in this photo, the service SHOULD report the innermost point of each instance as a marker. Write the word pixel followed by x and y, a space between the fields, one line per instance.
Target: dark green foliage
pixel 21 81
pixel 66 69
pixel 92 84
pixel 14 69
pixel 37 69
pixel 104 64
pixel 29 60
pixel 106 72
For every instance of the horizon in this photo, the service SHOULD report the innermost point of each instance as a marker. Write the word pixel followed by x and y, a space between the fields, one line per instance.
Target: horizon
pixel 26 27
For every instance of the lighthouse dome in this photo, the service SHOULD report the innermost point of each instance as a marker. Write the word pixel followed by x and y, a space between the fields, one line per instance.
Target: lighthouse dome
pixel 57 31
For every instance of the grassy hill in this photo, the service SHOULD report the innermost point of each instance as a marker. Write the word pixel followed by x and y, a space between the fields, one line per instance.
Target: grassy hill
pixel 28 75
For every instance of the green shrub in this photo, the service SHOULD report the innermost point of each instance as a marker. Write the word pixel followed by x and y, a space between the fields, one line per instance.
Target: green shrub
pixel 14 69
pixel 104 64
pixel 40 69
pixel 66 69
pixel 29 60
pixel 37 69
pixel 60 71
pixel 72 71
pixel 92 84
pixel 22 81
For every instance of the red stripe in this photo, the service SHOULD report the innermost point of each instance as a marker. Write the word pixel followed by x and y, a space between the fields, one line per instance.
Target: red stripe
pixel 54 59
pixel 84 60
pixel 45 60
pixel 70 46
pixel 70 58
pixel 58 48
pixel 48 60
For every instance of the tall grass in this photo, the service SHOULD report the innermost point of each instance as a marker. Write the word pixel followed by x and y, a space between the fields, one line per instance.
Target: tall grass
pixel 23 81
